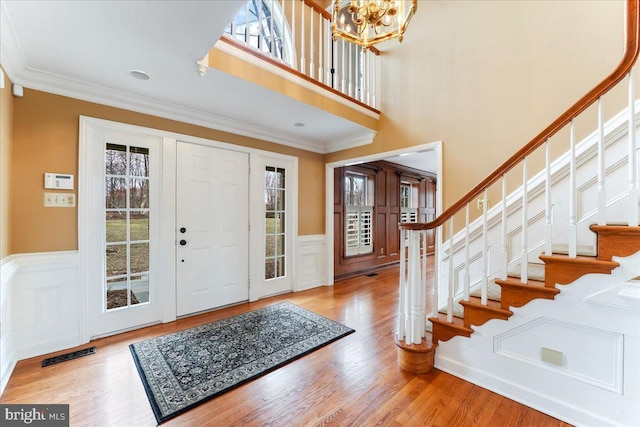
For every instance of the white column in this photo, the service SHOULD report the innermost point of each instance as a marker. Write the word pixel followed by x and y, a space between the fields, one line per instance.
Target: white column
pixel 402 293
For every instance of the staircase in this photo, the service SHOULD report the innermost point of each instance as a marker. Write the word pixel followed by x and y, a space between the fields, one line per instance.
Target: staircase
pixel 538 298
pixel 558 268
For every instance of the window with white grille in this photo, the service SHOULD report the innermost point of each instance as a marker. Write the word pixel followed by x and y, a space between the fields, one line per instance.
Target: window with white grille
pixel 274 222
pixel 408 202
pixel 358 215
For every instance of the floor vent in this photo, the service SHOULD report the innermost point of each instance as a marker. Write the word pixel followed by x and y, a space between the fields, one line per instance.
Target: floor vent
pixel 68 356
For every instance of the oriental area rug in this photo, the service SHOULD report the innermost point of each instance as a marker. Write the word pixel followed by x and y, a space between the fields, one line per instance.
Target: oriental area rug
pixel 183 369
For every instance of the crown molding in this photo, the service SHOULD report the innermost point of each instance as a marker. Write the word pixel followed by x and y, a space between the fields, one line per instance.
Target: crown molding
pixel 11 57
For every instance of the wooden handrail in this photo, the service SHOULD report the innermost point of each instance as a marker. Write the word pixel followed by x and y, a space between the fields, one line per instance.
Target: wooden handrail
pixel 628 60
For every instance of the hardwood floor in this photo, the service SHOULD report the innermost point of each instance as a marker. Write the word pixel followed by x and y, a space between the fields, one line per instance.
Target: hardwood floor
pixel 354 381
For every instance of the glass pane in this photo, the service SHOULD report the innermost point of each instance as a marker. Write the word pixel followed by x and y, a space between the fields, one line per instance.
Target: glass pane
pixel 280 181
pixel 270 222
pixel 139 225
pixel 140 289
pixel 116 226
pixel 279 202
pixel 280 244
pixel 115 191
pixel 139 193
pixel 280 266
pixel 139 257
pixel 139 161
pixel 270 196
pixel 270 246
pixel 270 268
pixel 116 293
pixel 116 159
pixel 278 222
pixel 116 260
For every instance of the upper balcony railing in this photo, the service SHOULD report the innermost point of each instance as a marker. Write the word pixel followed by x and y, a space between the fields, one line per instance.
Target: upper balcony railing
pixel 296 34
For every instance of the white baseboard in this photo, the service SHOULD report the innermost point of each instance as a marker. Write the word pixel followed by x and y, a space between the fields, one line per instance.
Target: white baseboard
pixel 310 265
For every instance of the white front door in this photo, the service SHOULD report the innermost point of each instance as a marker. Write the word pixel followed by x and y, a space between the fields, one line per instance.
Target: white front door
pixel 212 236
pixel 120 187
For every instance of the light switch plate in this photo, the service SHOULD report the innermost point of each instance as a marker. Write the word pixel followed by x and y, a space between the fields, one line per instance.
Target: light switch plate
pixel 59 200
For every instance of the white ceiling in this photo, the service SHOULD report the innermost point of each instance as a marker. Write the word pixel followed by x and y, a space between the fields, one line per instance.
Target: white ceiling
pixel 85 50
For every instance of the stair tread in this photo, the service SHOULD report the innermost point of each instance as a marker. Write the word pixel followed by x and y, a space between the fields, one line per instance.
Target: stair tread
pixel 491 305
pixel 457 322
pixel 580 259
pixel 535 271
pixel 583 250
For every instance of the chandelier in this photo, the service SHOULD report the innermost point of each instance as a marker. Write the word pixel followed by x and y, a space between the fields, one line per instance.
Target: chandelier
pixel 367 22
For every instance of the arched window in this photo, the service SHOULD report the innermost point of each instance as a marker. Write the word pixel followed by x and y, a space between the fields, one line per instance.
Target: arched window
pixel 261 25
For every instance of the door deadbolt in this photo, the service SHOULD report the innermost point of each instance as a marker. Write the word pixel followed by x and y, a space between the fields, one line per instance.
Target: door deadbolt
pixel 183 230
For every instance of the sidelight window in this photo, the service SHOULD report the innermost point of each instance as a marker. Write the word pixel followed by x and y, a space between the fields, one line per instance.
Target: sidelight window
pixel 126 247
pixel 275 215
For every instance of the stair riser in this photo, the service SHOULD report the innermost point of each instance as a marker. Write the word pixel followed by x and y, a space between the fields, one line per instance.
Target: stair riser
pixel 518 298
pixel 621 245
pixel 563 273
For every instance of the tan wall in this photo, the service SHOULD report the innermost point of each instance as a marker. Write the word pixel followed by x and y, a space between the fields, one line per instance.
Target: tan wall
pixel 45 139
pixel 485 77
pixel 6 125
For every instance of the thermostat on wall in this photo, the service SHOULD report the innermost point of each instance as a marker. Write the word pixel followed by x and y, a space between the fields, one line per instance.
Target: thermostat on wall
pixel 59 181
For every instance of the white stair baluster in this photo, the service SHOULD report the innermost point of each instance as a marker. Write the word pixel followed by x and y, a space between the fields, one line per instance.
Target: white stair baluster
pixel 451 281
pixel 633 159
pixel 548 217
pixel 573 227
pixel 467 276
pixel 302 41
pixel 602 195
pixel 312 42
pixel 485 256
pixel 321 28
pixel 435 289
pixel 524 258
pixel 505 251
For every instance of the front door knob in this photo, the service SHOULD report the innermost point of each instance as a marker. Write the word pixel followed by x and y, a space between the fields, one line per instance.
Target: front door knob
pixel 183 242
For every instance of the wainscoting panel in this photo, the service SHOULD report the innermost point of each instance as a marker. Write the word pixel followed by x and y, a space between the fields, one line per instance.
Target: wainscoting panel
pixel 587 354
pixel 311 263
pixel 40 306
